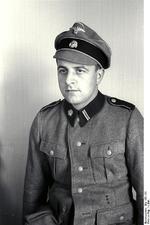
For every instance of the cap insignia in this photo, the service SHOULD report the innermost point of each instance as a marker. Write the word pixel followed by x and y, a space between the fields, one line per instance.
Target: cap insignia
pixel 77 27
pixel 73 44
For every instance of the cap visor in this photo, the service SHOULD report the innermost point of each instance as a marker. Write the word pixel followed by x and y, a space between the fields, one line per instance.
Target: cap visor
pixel 74 56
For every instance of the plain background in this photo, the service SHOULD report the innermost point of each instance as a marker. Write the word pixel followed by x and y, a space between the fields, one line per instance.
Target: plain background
pixel 28 78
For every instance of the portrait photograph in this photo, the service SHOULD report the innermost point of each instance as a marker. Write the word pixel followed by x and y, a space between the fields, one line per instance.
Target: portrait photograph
pixel 72 108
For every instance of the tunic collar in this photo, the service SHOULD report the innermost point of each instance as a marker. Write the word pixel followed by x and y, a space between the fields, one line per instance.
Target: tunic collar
pixel 86 113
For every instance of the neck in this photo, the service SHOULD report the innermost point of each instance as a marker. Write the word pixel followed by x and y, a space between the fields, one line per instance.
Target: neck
pixel 82 105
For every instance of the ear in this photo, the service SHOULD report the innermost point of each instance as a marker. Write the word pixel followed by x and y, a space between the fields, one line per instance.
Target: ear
pixel 100 74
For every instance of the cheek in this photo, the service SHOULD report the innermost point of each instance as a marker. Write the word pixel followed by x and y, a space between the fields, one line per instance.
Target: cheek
pixel 89 84
pixel 61 81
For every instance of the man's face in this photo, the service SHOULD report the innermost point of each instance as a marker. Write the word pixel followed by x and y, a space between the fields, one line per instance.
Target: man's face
pixel 77 82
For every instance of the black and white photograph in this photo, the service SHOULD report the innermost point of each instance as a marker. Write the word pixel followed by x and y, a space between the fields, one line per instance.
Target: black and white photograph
pixel 72 109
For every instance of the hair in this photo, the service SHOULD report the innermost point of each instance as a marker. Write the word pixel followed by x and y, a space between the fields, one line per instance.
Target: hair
pixel 98 67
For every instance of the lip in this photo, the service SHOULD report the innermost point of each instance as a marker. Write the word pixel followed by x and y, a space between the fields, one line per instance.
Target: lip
pixel 72 90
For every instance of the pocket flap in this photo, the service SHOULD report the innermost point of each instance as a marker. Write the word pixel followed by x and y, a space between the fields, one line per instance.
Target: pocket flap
pixel 117 215
pixel 107 150
pixel 53 149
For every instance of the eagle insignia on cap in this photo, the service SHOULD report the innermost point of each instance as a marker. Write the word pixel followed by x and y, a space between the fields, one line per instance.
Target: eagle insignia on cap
pixel 77 27
pixel 73 44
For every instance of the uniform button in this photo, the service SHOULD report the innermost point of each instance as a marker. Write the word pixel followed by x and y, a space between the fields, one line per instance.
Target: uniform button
pixel 80 168
pixel 113 100
pixel 78 143
pixel 70 112
pixel 121 218
pixel 51 152
pixel 109 152
pixel 64 209
pixel 80 190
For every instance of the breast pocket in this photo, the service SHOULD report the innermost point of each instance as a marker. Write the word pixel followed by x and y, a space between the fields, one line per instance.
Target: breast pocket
pixel 108 161
pixel 58 160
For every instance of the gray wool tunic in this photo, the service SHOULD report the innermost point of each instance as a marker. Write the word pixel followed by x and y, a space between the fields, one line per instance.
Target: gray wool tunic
pixel 82 171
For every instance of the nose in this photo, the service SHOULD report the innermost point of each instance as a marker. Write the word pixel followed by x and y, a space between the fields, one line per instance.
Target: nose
pixel 70 78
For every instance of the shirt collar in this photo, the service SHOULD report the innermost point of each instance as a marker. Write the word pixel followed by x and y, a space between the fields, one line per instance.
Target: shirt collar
pixel 86 113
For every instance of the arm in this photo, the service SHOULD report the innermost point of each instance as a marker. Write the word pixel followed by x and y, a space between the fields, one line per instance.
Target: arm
pixel 134 154
pixel 37 179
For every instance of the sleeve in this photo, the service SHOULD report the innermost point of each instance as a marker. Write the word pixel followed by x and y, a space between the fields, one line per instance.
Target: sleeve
pixel 135 159
pixel 36 210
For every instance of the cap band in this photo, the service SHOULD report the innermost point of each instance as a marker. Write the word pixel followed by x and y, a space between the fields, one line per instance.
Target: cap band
pixel 85 47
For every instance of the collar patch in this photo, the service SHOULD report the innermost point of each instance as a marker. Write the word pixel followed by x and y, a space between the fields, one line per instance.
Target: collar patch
pixel 86 113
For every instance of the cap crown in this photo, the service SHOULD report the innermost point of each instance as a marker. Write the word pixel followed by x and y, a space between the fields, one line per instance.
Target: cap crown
pixel 82 38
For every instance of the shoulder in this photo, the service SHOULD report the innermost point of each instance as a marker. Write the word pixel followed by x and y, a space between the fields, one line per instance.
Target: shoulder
pixel 44 114
pixel 51 105
pixel 120 103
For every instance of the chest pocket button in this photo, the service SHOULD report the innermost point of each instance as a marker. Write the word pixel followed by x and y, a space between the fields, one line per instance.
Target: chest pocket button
pixel 109 152
pixel 51 152
pixel 121 218
pixel 79 143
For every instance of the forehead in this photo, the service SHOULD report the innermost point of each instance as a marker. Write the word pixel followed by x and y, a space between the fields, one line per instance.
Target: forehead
pixel 68 64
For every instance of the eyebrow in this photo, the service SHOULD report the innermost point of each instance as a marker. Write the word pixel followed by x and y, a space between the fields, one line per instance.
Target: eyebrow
pixel 75 67
pixel 82 67
pixel 61 67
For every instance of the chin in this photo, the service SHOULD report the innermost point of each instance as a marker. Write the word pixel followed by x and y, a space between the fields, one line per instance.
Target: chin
pixel 73 101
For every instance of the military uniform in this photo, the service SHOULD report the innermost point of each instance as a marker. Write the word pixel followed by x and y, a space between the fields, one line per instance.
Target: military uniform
pixel 87 165
pixel 83 164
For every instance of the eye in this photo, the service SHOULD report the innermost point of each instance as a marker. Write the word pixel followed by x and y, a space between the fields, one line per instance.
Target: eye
pixel 62 71
pixel 80 70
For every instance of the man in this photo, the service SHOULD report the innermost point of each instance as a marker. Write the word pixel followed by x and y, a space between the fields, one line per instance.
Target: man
pixel 85 152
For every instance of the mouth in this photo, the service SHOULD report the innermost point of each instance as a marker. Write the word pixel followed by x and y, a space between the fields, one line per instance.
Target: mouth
pixel 72 90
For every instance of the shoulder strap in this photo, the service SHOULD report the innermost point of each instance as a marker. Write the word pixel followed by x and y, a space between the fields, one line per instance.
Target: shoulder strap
pixel 120 103
pixel 51 105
